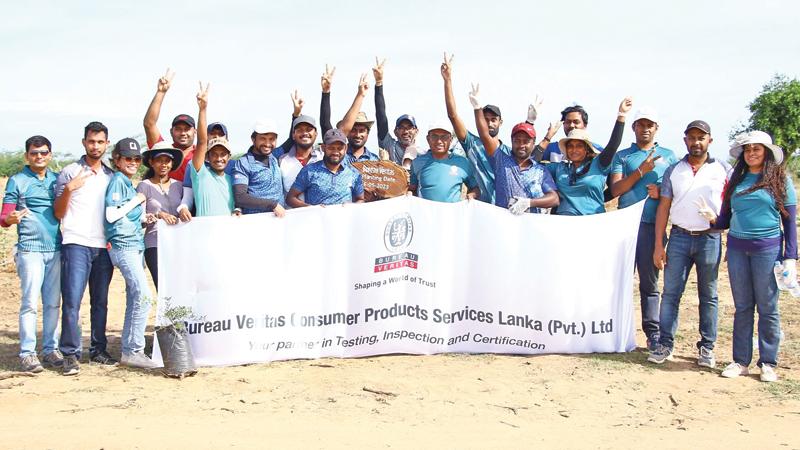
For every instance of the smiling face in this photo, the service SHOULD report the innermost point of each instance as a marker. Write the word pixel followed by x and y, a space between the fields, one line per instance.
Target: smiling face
pixel 95 144
pixel 162 165
pixel 573 120
pixel 577 150
pixel 304 135
pixel 38 157
pixel 358 136
pixel 128 165
pixel 406 133
pixel 334 153
pixel 182 135
pixel 521 145
pixel 493 121
pixel 217 157
pixel 439 142
pixel 263 144
pixel 645 131
pixel 697 142
pixel 754 156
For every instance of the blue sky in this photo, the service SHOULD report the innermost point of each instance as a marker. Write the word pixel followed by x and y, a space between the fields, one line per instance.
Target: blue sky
pixel 68 63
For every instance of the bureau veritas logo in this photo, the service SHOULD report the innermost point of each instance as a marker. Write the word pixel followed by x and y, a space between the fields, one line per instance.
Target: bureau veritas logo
pixel 397 236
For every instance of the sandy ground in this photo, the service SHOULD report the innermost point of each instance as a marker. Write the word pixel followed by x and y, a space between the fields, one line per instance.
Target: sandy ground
pixel 443 401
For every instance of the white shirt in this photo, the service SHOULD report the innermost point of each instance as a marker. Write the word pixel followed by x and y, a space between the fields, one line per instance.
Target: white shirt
pixel 291 166
pixel 83 222
pixel 686 188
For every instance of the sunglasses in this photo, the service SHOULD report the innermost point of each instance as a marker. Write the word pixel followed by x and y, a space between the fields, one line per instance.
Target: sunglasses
pixel 39 152
pixel 131 158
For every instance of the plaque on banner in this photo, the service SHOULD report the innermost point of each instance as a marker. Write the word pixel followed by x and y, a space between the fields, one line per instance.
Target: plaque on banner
pixel 382 179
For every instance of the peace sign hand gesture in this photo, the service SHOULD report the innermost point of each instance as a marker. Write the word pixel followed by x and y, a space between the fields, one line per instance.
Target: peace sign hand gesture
pixel 473 96
pixel 377 71
pixel 649 163
pixel 447 66
pixel 363 86
pixel 533 109
pixel 297 103
pixel 704 210
pixel 327 78
pixel 202 96
pixel 165 81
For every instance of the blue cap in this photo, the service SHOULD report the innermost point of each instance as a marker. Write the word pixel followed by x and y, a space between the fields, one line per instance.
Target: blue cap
pixel 219 125
pixel 407 117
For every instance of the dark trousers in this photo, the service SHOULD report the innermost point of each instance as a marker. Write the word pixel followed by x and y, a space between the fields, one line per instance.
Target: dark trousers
pixel 80 265
pixel 648 279
pixel 151 259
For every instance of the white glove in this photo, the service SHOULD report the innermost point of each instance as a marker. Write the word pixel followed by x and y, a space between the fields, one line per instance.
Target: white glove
pixel 704 210
pixel 519 205
pixel 473 97
pixel 789 271
pixel 533 109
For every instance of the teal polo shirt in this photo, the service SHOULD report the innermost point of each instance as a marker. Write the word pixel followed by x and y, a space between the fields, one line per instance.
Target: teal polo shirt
pixel 38 231
pixel 580 196
pixel 440 180
pixel 755 214
pixel 628 161
pixel 127 232
pixel 213 193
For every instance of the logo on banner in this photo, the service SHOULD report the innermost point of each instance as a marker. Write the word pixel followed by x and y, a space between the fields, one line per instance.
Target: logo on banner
pixel 397 236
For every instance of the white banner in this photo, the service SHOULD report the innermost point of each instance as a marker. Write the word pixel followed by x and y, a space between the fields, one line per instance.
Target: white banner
pixel 403 275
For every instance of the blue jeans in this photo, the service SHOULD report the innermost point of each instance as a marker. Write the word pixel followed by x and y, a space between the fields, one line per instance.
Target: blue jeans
pixel 683 252
pixel 754 288
pixel 80 265
pixel 39 273
pixel 648 279
pixel 137 297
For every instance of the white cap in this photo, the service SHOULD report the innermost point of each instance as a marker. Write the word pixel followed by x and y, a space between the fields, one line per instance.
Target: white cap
pixel 441 125
pixel 646 112
pixel 264 127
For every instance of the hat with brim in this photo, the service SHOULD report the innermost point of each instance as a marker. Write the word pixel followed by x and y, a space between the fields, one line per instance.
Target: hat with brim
pixel 755 137
pixel 219 142
pixel 162 148
pixel 580 135
pixel 361 119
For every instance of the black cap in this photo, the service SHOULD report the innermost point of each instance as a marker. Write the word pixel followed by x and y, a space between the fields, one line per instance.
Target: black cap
pixel 128 147
pixel 701 125
pixel 492 109
pixel 185 118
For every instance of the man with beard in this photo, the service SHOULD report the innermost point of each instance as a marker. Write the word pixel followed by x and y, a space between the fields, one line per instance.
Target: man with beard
pixel 327 182
pixel 521 184
pixel 691 190
pixel 80 206
pixel 182 130
pixel 405 126
pixel 257 182
pixel 304 133
pixel 636 174
pixel 438 174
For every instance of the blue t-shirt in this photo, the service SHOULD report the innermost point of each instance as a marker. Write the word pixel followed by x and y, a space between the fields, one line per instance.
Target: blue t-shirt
pixel 127 232
pixel 754 215
pixel 484 173
pixel 187 178
pixel 263 179
pixel 628 161
pixel 510 180
pixel 440 179
pixel 580 196
pixel 553 149
pixel 366 156
pixel 320 186
pixel 213 193
pixel 38 231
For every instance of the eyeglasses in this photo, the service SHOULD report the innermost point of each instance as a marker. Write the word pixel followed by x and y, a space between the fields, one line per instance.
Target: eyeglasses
pixel 39 152
pixel 439 137
pixel 131 158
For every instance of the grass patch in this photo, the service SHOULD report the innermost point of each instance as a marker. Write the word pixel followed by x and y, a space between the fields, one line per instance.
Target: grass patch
pixel 786 389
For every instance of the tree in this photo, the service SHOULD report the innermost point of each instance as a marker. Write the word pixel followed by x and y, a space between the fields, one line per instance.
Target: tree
pixel 776 111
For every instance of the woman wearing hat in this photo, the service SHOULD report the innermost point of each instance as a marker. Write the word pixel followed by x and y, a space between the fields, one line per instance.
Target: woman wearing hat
pixel 758 201
pixel 124 215
pixel 163 196
pixel 581 176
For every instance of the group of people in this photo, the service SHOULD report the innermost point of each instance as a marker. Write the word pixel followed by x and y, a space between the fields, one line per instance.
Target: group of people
pixel 76 226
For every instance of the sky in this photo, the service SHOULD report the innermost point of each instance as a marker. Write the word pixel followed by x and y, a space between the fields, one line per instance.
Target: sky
pixel 69 63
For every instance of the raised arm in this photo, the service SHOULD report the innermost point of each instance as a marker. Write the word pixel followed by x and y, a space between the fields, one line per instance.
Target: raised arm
pixel 450 100
pixel 489 143
pixel 154 110
pixel 349 119
pixel 202 134
pixel 380 102
pixel 607 155
pixel 538 151
pixel 325 102
pixel 297 103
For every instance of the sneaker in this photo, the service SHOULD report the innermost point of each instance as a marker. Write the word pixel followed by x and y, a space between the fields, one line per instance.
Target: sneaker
pixel 103 358
pixel 53 359
pixel 652 344
pixel 734 369
pixel 139 360
pixel 705 358
pixel 660 354
pixel 768 374
pixel 30 363
pixel 71 366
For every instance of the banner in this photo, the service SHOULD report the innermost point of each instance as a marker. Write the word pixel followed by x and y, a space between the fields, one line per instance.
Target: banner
pixel 403 275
